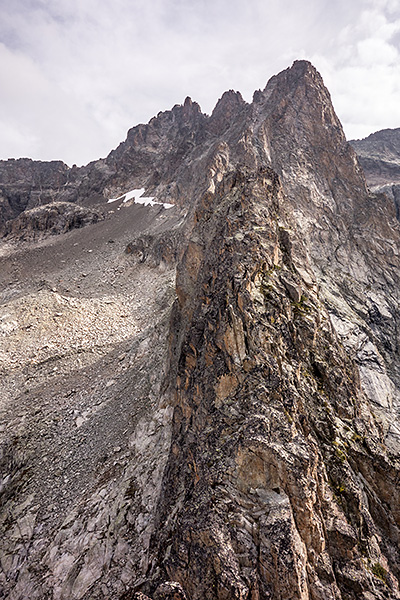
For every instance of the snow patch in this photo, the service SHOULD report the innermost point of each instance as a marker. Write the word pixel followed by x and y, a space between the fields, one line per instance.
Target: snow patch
pixel 138 198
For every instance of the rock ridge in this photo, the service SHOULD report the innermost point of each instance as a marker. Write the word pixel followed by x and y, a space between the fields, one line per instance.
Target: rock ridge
pixel 216 410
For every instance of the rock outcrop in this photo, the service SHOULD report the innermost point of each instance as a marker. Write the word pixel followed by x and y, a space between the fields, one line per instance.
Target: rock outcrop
pixel 26 183
pixel 49 219
pixel 238 436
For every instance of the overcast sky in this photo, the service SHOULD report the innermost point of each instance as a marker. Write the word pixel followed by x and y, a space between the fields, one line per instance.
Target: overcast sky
pixel 75 75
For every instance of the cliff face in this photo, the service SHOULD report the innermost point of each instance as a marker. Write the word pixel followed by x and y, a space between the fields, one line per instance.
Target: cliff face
pixel 255 409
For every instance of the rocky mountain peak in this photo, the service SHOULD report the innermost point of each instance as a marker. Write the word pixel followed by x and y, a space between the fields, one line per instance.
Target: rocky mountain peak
pixel 189 112
pixel 303 138
pixel 299 93
pixel 294 75
pixel 165 124
pixel 226 111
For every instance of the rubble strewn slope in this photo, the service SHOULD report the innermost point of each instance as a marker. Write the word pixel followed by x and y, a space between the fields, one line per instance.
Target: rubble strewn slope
pixel 203 401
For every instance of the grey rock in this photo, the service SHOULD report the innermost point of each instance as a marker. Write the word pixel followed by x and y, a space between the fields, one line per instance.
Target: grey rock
pixel 240 351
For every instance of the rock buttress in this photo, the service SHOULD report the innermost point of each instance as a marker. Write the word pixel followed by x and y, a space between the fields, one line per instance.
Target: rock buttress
pixel 272 486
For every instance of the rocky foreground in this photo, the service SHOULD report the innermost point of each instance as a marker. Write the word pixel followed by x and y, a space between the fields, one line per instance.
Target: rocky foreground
pixel 202 401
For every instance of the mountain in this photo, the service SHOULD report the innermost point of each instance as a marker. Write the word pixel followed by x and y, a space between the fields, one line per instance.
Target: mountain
pixel 201 395
pixel 379 155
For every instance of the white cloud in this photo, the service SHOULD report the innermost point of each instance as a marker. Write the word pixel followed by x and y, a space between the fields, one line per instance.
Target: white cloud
pixel 364 74
pixel 375 51
pixel 39 119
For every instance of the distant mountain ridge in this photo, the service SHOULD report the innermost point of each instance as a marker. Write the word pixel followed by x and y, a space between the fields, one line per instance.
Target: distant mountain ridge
pixel 379 155
pixel 149 157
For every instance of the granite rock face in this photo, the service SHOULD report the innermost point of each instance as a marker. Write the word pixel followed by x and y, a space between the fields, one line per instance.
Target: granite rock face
pixel 238 435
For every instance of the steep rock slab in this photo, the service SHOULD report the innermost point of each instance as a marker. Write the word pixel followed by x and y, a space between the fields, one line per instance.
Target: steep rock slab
pixel 266 493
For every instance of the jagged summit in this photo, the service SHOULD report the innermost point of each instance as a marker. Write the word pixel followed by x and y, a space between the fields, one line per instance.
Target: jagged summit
pixel 152 152
pixel 226 111
pixel 299 70
pixel 156 155
pixel 202 401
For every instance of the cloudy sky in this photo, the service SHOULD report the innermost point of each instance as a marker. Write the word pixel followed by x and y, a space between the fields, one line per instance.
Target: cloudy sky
pixel 76 74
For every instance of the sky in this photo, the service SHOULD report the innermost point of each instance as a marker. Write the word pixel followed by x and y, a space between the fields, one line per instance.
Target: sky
pixel 75 75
